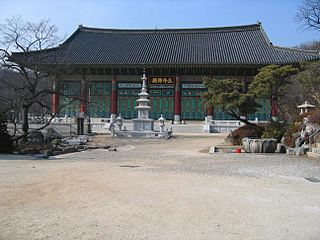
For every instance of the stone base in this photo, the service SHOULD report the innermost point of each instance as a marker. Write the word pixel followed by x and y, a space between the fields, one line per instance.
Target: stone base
pixel 143 134
pixel 281 148
pixel 207 128
pixel 113 117
pixel 316 150
pixel 143 124
pixel 313 155
pixel 209 118
pixel 177 119
pixel 216 126
pixel 299 151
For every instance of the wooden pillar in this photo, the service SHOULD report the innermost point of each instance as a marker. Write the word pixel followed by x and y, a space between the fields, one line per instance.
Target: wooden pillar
pixel 177 102
pixel 274 108
pixel 114 99
pixel 245 90
pixel 83 96
pixel 55 96
pixel 245 84
pixel 209 113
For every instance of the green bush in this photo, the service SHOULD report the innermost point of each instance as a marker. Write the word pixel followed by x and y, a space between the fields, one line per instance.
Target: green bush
pixel 6 145
pixel 274 130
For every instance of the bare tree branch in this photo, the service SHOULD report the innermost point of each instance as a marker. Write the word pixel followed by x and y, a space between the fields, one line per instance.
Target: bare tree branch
pixel 308 15
pixel 27 37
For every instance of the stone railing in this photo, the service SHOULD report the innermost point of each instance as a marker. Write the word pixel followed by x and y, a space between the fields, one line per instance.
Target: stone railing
pixel 221 126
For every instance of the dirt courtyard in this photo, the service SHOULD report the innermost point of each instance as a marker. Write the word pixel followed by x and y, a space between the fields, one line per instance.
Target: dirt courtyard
pixel 166 189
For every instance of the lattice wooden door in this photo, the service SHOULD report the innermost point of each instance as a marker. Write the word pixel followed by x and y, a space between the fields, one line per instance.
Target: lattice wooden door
pixel 98 104
pixel 69 103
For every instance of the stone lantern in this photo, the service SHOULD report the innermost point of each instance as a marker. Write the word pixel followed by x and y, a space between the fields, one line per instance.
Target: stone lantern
pixel 305 107
pixel 161 123
pixel 119 122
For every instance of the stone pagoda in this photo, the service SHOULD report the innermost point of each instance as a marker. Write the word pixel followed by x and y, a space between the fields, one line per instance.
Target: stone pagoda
pixel 143 122
pixel 143 126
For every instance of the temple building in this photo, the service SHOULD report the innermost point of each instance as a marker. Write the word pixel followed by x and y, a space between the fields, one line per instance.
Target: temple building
pixel 98 71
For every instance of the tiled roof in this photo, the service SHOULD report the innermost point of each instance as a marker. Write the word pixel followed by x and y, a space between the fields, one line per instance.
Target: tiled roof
pixel 241 45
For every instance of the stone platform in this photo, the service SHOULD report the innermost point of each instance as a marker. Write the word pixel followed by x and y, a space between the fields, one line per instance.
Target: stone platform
pixel 143 134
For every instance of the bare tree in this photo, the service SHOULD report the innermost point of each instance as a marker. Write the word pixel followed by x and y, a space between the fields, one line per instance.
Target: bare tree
pixel 312 45
pixel 308 14
pixel 34 87
pixel 309 76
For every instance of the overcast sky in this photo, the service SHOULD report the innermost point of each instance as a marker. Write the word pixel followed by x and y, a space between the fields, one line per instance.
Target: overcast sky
pixel 276 15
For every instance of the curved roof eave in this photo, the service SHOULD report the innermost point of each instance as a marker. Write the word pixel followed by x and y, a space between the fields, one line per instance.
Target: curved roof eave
pixel 246 45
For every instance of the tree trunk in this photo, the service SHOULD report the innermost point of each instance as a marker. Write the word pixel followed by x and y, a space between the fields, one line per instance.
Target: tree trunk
pixel 237 117
pixel 245 121
pixel 274 107
pixel 25 123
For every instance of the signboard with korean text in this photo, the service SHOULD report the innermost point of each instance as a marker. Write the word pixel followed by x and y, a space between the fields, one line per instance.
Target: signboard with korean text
pixel 162 80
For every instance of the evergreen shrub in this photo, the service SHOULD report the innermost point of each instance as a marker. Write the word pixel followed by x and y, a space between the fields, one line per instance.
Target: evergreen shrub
pixel 274 129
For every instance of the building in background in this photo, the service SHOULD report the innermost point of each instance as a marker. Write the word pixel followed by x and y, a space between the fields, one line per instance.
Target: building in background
pixel 98 71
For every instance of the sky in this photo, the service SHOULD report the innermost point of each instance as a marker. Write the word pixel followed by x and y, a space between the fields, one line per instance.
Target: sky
pixel 277 16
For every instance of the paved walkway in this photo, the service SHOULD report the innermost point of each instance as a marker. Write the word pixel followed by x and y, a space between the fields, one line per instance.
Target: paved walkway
pixel 165 189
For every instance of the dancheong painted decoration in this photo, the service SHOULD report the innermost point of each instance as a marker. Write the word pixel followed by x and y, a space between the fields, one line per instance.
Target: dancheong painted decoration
pixel 97 72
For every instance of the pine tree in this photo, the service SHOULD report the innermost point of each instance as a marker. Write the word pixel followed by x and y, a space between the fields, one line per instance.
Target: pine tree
pixel 229 95
pixel 271 82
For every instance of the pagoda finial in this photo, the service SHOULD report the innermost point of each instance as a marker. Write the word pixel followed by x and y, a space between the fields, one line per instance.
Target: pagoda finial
pixel 144 85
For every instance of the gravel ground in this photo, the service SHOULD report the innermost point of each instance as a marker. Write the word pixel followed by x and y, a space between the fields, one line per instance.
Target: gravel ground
pixel 159 189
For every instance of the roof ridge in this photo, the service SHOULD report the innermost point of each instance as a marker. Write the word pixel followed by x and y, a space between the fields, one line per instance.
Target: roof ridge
pixel 166 30
pixel 265 36
pixel 244 45
pixel 298 49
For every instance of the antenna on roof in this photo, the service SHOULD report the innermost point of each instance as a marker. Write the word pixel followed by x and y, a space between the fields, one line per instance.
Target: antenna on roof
pixel 156 15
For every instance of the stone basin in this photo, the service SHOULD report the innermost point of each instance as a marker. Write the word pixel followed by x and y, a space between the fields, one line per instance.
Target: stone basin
pixel 259 145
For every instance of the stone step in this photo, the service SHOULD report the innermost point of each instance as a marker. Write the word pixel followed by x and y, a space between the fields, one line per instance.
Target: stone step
pixel 316 150
pixel 313 155
pixel 224 149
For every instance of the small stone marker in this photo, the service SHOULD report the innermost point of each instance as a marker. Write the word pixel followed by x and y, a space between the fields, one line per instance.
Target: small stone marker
pixel 212 150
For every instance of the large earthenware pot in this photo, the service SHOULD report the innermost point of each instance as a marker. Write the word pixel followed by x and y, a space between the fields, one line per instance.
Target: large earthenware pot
pixel 256 146
pixel 246 144
pixel 259 145
pixel 269 145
